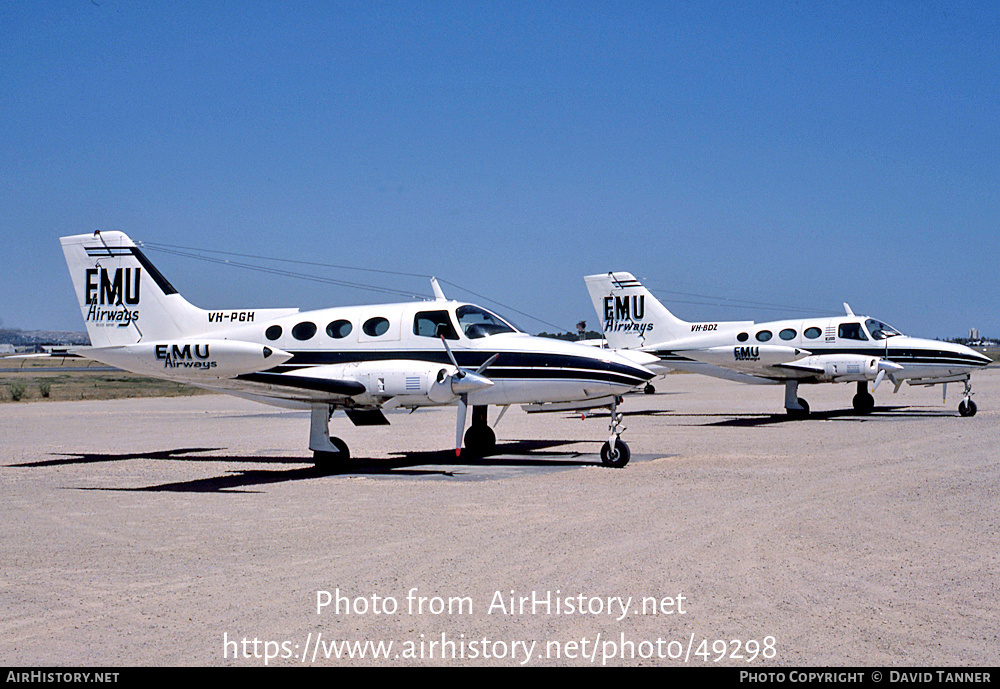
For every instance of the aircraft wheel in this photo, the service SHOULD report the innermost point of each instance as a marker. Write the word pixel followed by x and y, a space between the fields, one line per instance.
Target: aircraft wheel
pixel 864 403
pixel 649 389
pixel 343 453
pixel 967 408
pixel 480 441
pixel 617 458
pixel 799 413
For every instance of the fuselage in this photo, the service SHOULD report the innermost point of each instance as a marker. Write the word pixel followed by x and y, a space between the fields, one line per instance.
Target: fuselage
pixel 743 345
pixel 396 351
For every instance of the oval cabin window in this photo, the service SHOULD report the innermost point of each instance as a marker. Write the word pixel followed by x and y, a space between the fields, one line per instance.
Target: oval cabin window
pixel 339 329
pixel 304 330
pixel 374 327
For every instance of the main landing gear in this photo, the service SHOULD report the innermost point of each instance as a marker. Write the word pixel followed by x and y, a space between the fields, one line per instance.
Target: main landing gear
pixel 795 406
pixel 615 452
pixel 480 440
pixel 863 401
pixel 326 450
pixel 798 408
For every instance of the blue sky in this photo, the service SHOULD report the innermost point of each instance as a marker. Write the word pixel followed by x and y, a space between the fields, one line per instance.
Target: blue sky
pixel 798 154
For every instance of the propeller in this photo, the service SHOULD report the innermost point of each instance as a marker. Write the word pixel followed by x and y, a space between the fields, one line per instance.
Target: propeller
pixel 884 367
pixel 878 379
pixel 463 382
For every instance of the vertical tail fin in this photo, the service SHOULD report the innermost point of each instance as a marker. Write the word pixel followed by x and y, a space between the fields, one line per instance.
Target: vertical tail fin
pixel 123 298
pixel 631 317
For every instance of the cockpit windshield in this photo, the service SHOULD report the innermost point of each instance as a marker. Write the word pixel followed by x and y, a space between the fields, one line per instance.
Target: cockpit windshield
pixel 879 330
pixel 476 322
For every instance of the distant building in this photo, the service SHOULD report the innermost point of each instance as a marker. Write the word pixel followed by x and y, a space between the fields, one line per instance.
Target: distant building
pixel 974 334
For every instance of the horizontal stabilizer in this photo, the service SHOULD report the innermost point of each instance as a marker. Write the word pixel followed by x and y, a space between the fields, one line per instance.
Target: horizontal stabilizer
pixel 188 360
pixel 747 357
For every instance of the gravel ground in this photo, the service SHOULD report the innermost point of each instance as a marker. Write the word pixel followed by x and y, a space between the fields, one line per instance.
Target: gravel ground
pixel 194 531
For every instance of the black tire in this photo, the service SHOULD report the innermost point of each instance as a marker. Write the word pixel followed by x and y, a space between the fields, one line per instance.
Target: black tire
pixel 799 413
pixel 343 453
pixel 967 409
pixel 480 441
pixel 649 389
pixel 863 403
pixel 618 458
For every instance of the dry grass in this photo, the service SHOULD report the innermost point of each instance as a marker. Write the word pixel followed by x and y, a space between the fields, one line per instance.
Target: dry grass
pixel 62 379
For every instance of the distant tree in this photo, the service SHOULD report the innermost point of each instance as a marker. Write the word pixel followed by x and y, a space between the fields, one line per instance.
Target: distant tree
pixel 573 337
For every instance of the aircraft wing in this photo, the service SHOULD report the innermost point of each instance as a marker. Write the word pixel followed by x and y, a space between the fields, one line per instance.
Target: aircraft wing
pixel 361 385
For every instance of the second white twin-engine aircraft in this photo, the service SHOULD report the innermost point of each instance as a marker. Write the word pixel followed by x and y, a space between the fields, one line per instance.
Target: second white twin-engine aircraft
pixel 848 348
pixel 362 359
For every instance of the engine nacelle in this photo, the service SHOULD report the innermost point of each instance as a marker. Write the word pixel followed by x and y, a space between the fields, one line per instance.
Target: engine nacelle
pixel 409 382
pixel 189 360
pixel 844 367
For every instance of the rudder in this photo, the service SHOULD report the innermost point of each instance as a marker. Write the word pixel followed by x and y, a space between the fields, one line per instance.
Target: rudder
pixel 631 317
pixel 123 298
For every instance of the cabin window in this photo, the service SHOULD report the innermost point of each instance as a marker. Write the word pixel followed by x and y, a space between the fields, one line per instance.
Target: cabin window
pixel 374 327
pixel 851 331
pixel 477 322
pixel 787 334
pixel 304 330
pixel 879 330
pixel 273 333
pixel 338 330
pixel 427 324
pixel 812 333
pixel 764 336
pixel 743 337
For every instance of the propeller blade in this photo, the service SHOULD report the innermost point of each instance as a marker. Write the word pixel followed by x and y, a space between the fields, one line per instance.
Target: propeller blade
pixel 451 356
pixel 487 363
pixel 463 408
pixel 878 379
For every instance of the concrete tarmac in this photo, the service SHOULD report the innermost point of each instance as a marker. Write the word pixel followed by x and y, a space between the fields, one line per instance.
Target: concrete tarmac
pixel 194 531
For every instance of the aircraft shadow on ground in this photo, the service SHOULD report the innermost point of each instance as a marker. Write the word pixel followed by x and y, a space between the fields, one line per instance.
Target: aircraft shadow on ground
pixel 747 420
pixel 541 454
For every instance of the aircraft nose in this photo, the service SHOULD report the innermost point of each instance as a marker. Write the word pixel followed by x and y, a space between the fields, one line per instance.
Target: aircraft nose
pixel 627 365
pixel 977 358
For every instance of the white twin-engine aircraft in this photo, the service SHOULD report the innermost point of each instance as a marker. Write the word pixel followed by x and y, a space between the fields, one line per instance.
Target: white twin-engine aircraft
pixel 848 348
pixel 362 359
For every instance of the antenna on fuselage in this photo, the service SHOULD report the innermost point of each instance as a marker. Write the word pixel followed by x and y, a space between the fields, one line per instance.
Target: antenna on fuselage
pixel 847 308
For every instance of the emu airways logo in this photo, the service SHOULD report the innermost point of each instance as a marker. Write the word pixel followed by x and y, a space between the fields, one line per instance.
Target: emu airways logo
pixel 624 314
pixel 101 289
pixel 746 353
pixel 180 356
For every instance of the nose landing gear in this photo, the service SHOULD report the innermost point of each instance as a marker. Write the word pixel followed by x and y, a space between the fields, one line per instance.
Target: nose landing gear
pixel 615 452
pixel 967 407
